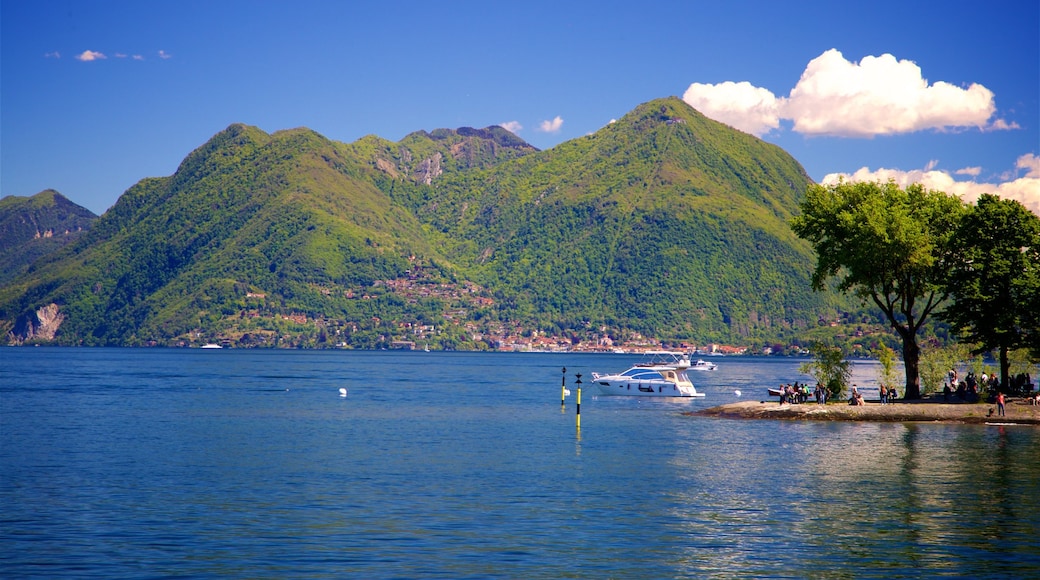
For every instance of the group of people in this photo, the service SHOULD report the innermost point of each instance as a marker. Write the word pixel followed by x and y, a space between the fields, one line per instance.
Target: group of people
pixel 968 389
pixel 800 393
pixel 795 393
pixel 1021 383
pixel 972 387
pixel 856 398
pixel 885 394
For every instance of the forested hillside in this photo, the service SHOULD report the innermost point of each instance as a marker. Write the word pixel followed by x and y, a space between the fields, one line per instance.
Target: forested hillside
pixel 32 227
pixel 664 223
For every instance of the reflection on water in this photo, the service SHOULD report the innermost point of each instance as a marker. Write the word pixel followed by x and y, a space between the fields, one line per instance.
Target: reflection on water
pixel 250 464
pixel 884 499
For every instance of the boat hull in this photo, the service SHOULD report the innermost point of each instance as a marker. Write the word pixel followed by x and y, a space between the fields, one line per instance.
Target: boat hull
pixel 618 388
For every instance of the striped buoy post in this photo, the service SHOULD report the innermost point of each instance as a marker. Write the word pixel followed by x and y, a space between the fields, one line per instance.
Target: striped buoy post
pixel 563 389
pixel 578 416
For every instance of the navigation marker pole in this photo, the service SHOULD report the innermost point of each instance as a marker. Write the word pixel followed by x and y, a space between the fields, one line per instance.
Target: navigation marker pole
pixel 563 389
pixel 578 416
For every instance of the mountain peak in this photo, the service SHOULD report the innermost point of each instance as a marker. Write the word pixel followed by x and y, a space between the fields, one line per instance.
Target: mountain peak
pixel 666 111
pixel 664 223
pixel 31 227
pixel 496 135
pixel 46 199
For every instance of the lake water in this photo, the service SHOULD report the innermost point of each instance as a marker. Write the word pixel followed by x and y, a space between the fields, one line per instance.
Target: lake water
pixel 123 463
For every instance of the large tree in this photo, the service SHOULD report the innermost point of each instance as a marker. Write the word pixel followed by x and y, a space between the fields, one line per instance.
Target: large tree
pixel 994 279
pixel 887 245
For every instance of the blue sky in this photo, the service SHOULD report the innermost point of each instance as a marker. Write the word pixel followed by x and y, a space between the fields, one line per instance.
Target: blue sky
pixel 95 96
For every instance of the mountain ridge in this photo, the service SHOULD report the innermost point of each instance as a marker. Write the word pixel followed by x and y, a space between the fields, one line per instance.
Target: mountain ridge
pixel 35 226
pixel 611 233
pixel 570 178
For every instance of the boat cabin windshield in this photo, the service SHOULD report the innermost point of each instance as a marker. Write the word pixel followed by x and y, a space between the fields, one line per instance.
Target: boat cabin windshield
pixel 642 374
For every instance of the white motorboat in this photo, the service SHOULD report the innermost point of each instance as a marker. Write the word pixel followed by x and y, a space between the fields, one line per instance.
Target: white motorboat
pixel 703 365
pixel 661 374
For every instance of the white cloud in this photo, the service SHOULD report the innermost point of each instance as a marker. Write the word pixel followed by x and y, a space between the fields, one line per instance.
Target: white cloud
pixel 972 171
pixel 164 55
pixel 137 57
pixel 54 54
pixel 552 126
pixel 513 127
pixel 89 55
pixel 1030 163
pixel 877 96
pixel 1002 125
pixel 1024 188
pixel 740 105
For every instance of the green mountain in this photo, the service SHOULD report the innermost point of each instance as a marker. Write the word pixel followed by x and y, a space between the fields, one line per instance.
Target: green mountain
pixel 31 227
pixel 664 223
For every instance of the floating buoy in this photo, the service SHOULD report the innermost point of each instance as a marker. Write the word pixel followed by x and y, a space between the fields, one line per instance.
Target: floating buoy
pixel 737 392
pixel 566 392
pixel 343 392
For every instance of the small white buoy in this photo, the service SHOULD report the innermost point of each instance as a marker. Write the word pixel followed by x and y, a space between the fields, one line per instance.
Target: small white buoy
pixel 737 392
pixel 566 392
pixel 343 392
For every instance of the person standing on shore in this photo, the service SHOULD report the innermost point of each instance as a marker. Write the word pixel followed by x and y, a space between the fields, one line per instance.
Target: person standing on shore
pixel 1000 404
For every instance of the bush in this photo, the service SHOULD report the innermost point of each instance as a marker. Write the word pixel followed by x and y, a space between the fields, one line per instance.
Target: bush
pixel 830 369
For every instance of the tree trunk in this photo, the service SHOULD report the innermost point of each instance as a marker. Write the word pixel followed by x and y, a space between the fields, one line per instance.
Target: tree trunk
pixel 1004 366
pixel 912 364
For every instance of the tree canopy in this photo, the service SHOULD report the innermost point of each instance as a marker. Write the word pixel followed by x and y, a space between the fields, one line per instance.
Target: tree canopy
pixel 994 279
pixel 887 245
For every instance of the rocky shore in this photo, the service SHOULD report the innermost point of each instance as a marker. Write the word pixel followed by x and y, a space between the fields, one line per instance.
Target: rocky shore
pixel 1017 412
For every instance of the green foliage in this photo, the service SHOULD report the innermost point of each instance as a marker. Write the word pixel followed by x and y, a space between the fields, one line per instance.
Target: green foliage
pixel 34 227
pixel 830 368
pixel 994 279
pixel 936 363
pixel 1022 361
pixel 887 357
pixel 889 246
pixel 665 223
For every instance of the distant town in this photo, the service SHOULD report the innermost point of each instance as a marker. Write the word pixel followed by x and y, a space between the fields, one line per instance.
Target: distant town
pixel 460 313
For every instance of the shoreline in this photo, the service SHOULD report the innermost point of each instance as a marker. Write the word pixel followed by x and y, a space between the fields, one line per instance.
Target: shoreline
pixel 1018 412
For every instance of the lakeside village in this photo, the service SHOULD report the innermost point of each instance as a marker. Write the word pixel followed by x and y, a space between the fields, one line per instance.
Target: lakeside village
pixel 636 345
pixel 405 335
pixel 460 327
